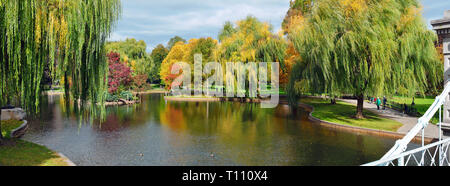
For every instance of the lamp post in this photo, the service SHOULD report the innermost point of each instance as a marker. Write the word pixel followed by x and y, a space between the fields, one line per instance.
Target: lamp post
pixel 442 28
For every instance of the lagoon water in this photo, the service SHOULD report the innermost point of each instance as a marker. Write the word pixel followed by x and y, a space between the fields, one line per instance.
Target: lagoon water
pixel 157 132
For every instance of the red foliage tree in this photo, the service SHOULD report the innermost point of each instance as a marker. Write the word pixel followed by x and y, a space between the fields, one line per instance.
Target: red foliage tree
pixel 171 77
pixel 139 81
pixel 113 57
pixel 119 73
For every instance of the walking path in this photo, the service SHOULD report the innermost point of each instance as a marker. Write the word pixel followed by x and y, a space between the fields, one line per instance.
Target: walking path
pixel 431 131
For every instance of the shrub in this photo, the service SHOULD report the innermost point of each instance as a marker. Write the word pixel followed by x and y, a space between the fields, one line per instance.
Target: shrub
pixel 111 97
pixel 126 95
pixel 139 82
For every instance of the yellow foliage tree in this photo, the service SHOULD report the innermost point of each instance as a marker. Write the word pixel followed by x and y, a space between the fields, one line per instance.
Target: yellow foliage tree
pixel 175 55
pixel 182 52
pixel 294 21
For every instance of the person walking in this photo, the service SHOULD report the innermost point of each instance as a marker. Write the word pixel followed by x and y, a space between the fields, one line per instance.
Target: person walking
pixel 384 102
pixel 378 103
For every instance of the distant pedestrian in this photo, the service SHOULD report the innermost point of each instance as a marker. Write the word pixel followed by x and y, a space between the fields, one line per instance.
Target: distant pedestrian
pixel 405 108
pixel 384 102
pixel 378 103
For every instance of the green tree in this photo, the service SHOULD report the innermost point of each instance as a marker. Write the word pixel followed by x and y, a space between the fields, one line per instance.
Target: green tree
pixel 227 31
pixel 134 54
pixel 158 55
pixel 251 40
pixel 132 48
pixel 34 32
pixel 174 40
pixel 204 46
pixel 364 47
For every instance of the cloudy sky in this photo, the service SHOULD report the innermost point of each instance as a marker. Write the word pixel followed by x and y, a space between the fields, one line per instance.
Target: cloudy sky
pixel 156 21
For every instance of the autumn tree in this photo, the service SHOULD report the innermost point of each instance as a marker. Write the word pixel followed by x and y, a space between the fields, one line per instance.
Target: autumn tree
pixel 296 14
pixel 119 75
pixel 175 55
pixel 133 53
pixel 139 82
pixel 365 47
pixel 181 52
pixel 295 19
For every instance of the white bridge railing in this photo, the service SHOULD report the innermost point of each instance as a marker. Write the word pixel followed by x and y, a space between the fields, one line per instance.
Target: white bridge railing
pixel 435 154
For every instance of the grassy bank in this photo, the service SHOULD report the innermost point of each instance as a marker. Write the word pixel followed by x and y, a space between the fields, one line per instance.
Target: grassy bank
pixel 8 126
pixel 343 113
pixel 421 104
pixel 16 152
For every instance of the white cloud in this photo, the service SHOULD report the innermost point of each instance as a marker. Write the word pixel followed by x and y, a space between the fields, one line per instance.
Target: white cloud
pixel 157 21
pixel 116 37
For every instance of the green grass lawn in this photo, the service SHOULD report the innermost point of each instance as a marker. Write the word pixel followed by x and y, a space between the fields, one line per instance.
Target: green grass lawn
pixel 8 126
pixel 421 104
pixel 343 113
pixel 155 87
pixel 16 152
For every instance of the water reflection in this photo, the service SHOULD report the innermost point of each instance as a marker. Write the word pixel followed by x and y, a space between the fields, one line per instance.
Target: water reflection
pixel 156 132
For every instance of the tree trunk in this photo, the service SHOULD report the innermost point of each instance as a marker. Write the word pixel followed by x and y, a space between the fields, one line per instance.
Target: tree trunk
pixel 359 107
pixel 1 136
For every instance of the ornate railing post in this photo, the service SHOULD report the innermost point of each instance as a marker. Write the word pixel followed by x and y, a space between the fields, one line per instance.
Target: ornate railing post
pixel 401 161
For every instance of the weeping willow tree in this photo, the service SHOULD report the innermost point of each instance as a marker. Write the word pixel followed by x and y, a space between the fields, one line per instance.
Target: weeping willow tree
pixel 68 34
pixel 250 40
pixel 364 47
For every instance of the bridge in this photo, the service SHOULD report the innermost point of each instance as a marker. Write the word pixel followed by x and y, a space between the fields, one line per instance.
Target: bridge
pixel 436 153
